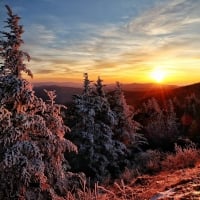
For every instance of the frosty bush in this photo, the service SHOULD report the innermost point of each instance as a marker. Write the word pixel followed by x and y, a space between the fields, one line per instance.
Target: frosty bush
pixel 32 140
pixel 182 158
pixel 148 161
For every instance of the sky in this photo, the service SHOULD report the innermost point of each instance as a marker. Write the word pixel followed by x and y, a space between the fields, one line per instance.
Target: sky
pixel 119 40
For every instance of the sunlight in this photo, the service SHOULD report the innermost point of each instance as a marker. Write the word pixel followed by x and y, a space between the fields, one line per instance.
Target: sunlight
pixel 158 75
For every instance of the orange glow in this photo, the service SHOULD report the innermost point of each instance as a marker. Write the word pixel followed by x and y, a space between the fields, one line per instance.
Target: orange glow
pixel 169 72
pixel 158 75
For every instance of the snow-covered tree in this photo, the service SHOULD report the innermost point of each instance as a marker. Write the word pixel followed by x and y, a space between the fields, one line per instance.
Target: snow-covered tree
pixel 32 143
pixel 86 84
pixel 10 48
pixel 100 156
pixel 126 129
pixel 162 128
pixel 100 87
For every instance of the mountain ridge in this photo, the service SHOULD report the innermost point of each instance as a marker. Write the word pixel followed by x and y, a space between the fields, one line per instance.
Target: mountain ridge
pixel 134 92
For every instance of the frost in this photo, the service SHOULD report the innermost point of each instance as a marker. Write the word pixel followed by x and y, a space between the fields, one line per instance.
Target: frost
pixel 32 142
pixel 100 155
pixel 126 129
pixel 162 126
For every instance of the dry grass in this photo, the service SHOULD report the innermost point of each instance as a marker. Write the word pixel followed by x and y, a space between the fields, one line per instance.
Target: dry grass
pixel 129 174
pixel 84 193
pixel 118 191
pixel 128 186
pixel 149 161
pixel 182 158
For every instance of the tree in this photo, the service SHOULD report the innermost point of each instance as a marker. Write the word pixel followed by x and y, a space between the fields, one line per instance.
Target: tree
pixel 161 127
pixel 86 87
pixel 125 129
pixel 10 49
pixel 100 156
pixel 99 87
pixel 32 143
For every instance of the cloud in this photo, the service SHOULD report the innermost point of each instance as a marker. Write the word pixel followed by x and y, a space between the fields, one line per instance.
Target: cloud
pixel 38 34
pixel 45 71
pixel 167 18
pixel 165 34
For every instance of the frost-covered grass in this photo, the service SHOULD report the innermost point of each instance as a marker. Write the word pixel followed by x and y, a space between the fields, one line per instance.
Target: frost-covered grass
pixel 132 182
pixel 117 191
pixel 182 158
pixel 154 161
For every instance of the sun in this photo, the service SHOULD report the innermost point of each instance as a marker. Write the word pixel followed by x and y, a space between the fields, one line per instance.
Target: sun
pixel 158 75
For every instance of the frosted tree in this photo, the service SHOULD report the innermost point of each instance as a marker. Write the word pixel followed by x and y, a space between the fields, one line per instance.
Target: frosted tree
pixel 151 107
pixel 100 87
pixel 10 48
pixel 100 156
pixel 191 117
pixel 86 84
pixel 126 129
pixel 32 143
pixel 162 129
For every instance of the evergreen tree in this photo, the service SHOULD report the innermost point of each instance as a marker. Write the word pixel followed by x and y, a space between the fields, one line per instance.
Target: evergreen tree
pixel 99 87
pixel 161 127
pixel 32 143
pixel 10 48
pixel 86 87
pixel 126 129
pixel 100 156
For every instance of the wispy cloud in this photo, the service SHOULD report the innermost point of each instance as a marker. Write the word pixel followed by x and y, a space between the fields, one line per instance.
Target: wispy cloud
pixel 45 71
pixel 38 34
pixel 166 18
pixel 166 34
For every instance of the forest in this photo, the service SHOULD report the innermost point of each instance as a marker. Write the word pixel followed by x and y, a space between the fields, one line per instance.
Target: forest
pixel 94 147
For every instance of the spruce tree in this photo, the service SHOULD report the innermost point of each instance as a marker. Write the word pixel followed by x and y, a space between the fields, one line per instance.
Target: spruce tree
pixel 32 143
pixel 125 129
pixel 100 156
pixel 100 87
pixel 162 128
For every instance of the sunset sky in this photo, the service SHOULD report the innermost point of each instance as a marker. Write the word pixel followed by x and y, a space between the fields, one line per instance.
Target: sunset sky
pixel 120 40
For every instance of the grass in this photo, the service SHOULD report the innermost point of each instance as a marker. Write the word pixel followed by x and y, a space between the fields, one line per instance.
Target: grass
pixel 182 158
pixel 124 188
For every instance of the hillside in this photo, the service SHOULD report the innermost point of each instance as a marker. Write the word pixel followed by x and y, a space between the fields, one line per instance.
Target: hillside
pixel 134 93
pixel 143 87
pixel 64 93
pixel 183 184
pixel 161 93
pixel 189 89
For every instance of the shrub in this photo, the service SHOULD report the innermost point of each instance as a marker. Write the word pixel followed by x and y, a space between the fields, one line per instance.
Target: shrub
pixel 182 158
pixel 149 161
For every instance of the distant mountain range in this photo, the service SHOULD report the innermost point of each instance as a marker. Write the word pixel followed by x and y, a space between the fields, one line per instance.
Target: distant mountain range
pixel 162 93
pixel 62 84
pixel 134 93
pixel 140 87
pixel 127 87
pixel 64 94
